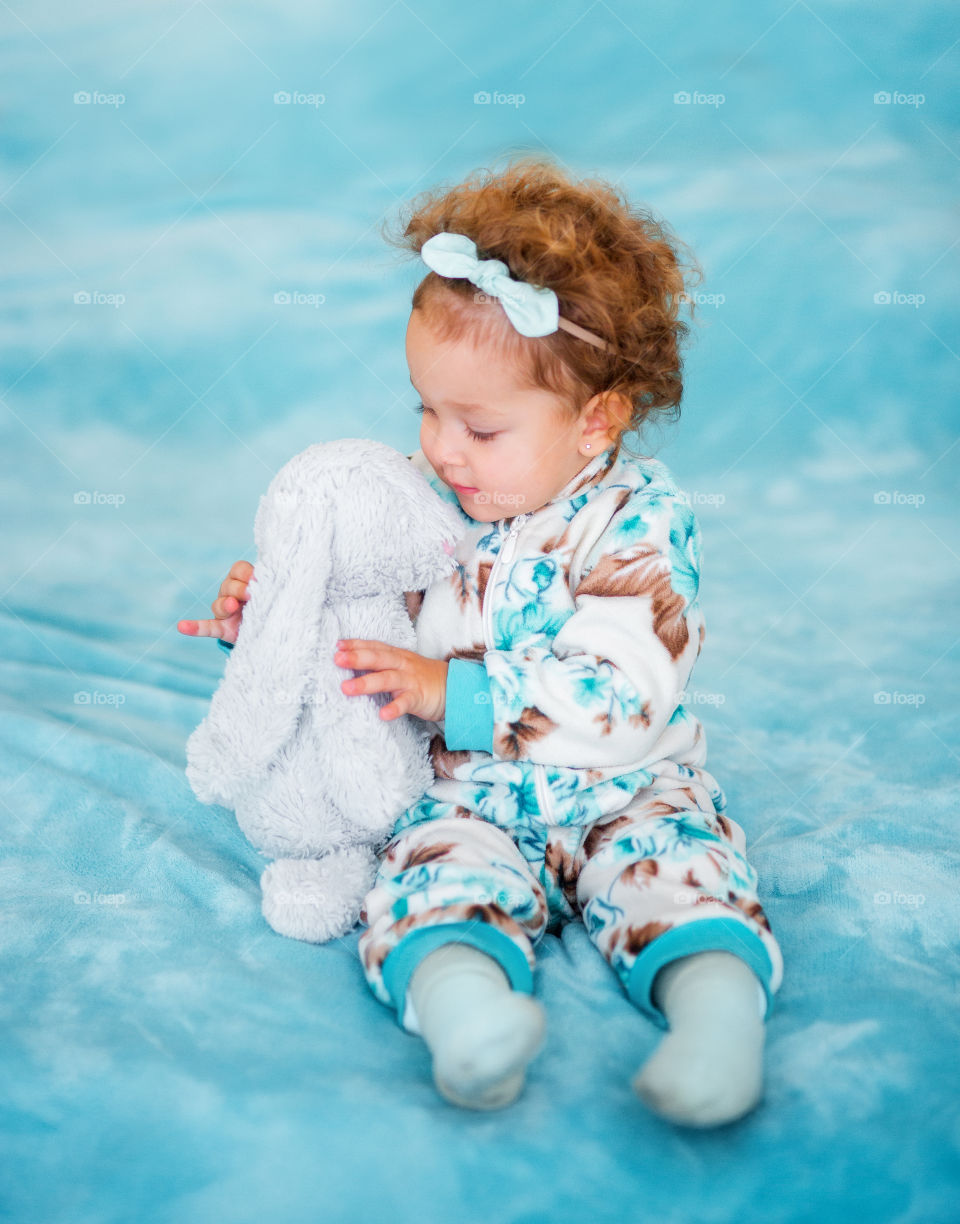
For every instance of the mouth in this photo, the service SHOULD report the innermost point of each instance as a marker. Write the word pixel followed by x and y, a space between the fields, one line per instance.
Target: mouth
pixel 463 488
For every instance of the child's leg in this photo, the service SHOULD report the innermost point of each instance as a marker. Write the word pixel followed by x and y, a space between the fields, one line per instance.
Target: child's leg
pixel 452 918
pixel 670 900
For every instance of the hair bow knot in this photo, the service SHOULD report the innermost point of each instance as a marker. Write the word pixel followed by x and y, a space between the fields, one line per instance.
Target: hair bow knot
pixel 533 310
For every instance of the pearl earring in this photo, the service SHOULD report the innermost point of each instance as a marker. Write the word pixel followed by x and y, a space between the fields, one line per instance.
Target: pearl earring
pixel 587 446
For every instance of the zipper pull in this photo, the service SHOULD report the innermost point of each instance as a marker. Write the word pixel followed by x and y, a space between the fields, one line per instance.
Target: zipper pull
pixel 510 543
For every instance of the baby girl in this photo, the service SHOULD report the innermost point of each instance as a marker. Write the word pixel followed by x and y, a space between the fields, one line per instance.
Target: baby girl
pixel 553 663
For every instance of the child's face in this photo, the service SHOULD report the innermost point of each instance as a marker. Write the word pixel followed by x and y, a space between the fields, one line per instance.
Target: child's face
pixel 527 452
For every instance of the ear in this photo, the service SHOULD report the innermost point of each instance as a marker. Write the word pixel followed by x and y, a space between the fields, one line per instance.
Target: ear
pixel 257 705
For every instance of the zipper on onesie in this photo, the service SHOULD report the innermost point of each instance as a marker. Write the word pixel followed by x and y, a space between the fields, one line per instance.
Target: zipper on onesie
pixel 543 792
pixel 508 545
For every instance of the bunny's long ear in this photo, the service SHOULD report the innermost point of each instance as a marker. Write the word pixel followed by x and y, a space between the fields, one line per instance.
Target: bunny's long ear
pixel 257 706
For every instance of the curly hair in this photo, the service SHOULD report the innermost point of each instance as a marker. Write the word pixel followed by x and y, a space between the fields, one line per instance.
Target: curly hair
pixel 614 268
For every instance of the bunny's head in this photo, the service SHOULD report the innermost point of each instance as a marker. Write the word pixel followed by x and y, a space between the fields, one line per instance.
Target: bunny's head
pixel 392 532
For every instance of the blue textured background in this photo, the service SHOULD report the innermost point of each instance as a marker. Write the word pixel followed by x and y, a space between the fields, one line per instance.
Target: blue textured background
pixel 165 1055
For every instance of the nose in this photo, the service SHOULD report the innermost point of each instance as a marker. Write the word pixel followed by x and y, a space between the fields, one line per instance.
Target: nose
pixel 445 451
pixel 441 446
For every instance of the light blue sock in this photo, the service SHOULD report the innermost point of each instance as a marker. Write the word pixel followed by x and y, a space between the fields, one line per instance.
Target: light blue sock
pixel 480 1032
pixel 708 1069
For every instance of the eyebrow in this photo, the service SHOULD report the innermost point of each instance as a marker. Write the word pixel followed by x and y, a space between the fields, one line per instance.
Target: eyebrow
pixel 455 404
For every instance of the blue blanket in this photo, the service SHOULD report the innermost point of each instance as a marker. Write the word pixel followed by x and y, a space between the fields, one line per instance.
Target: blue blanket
pixel 166 1055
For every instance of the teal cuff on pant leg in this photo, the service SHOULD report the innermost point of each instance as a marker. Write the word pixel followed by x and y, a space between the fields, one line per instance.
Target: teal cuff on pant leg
pixel 700 935
pixel 415 945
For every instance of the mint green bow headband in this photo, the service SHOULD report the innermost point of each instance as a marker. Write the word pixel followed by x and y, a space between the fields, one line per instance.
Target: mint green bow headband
pixel 533 310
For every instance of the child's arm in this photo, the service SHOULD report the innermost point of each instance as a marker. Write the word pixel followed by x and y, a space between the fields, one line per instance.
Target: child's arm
pixel 604 691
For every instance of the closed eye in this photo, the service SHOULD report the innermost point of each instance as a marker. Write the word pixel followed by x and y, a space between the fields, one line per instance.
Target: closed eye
pixel 477 437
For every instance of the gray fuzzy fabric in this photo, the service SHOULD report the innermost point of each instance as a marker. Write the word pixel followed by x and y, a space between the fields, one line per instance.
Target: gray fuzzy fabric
pixel 316 778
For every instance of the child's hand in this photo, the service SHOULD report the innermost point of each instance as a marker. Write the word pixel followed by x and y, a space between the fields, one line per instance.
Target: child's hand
pixel 419 685
pixel 227 607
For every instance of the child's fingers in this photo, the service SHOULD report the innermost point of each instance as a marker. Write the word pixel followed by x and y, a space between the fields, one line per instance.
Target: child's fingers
pixel 238 587
pixel 226 629
pixel 233 593
pixel 201 628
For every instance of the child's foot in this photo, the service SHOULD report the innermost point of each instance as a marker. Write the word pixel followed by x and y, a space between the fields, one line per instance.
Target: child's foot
pixel 698 1083
pixel 481 1064
pixel 480 1032
pixel 708 1069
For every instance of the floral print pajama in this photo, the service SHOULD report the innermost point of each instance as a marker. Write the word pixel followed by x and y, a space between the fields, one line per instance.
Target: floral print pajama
pixel 570 778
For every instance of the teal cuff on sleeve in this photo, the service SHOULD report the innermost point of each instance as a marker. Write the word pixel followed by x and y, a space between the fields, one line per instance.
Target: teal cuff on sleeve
pixel 468 720
pixel 227 646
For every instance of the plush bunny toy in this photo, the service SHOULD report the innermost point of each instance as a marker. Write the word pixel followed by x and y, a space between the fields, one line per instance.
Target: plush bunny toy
pixel 317 779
